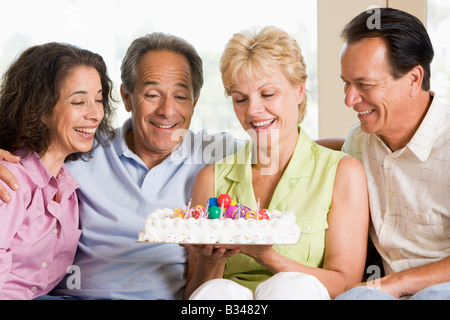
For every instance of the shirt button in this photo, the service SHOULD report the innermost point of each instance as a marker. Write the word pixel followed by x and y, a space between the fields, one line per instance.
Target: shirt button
pixel 308 228
pixel 34 289
pixel 390 194
pixel 388 228
pixel 44 265
pixel 55 231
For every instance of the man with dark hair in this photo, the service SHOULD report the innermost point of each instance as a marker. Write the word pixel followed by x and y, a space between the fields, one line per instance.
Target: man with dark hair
pixel 402 139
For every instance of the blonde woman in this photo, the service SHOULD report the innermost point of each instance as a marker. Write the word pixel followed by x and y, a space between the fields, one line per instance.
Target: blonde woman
pixel 264 73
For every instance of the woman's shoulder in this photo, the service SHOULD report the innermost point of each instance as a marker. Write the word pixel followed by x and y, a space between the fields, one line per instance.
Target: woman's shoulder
pixel 21 171
pixel 206 173
pixel 350 171
pixel 325 154
pixel 343 161
pixel 16 169
pixel 20 197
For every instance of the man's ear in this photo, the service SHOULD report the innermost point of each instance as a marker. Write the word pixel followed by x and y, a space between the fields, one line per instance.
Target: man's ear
pixel 416 78
pixel 126 98
pixel 196 100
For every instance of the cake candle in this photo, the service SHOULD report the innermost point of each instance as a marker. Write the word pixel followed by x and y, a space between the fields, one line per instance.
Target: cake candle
pixel 258 204
pixel 186 215
pixel 239 209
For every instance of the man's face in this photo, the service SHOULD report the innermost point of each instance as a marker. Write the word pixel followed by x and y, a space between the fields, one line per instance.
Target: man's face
pixel 162 103
pixel 371 90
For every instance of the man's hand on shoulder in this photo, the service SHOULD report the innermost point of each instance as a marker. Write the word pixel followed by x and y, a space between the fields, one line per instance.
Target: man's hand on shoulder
pixel 6 176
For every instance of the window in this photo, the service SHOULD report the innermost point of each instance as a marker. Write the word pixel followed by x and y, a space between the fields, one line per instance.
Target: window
pixel 438 26
pixel 109 26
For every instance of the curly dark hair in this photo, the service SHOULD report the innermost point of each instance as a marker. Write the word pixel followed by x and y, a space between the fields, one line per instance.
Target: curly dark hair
pixel 31 88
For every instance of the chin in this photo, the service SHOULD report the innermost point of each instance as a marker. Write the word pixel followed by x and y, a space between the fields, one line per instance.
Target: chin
pixel 368 129
pixel 83 149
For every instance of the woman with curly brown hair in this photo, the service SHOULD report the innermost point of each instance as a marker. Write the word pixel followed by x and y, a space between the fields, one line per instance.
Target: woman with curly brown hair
pixel 55 100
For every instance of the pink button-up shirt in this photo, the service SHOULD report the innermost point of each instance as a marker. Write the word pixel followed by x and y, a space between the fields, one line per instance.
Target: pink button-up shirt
pixel 38 230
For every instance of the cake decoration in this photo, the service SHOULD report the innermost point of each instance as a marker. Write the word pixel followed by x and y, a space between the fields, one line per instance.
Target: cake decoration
pixel 221 221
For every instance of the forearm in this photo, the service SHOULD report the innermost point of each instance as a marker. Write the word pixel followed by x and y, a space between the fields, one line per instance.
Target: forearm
pixel 411 281
pixel 333 280
pixel 205 270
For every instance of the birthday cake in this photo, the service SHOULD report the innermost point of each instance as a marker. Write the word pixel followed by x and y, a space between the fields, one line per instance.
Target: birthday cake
pixel 222 221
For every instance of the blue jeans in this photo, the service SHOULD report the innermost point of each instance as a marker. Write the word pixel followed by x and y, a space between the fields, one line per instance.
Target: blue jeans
pixel 437 292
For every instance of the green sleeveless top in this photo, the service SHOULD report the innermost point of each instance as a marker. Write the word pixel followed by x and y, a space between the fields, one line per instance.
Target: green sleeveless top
pixel 306 187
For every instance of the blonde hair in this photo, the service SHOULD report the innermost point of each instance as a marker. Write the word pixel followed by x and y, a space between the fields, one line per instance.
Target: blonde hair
pixel 251 53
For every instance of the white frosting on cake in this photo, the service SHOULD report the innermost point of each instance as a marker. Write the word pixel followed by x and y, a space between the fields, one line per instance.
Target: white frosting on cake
pixel 161 227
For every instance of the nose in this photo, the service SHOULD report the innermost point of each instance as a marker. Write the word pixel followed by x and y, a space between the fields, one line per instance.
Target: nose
pixel 95 112
pixel 352 96
pixel 166 108
pixel 255 106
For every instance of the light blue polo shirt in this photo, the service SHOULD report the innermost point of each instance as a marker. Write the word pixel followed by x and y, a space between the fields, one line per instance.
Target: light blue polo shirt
pixel 117 192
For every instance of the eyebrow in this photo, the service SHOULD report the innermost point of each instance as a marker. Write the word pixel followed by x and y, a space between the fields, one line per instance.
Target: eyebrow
pixel 357 79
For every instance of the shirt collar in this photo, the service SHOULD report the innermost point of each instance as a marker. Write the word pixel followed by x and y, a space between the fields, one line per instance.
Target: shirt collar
pixel 39 173
pixel 423 140
pixel 121 144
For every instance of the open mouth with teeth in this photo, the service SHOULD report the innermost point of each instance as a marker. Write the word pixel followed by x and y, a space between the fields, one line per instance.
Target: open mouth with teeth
pixel 163 126
pixel 366 112
pixel 86 132
pixel 262 124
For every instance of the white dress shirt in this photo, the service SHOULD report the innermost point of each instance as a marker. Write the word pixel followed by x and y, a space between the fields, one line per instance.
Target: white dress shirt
pixel 409 191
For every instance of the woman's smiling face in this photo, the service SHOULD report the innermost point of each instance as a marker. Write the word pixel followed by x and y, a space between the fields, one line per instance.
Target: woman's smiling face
pixel 77 113
pixel 267 107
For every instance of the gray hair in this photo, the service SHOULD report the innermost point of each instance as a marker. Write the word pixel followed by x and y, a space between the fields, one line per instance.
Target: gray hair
pixel 155 42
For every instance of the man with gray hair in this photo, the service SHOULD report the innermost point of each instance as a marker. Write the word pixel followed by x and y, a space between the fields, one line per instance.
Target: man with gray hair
pixel 151 163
